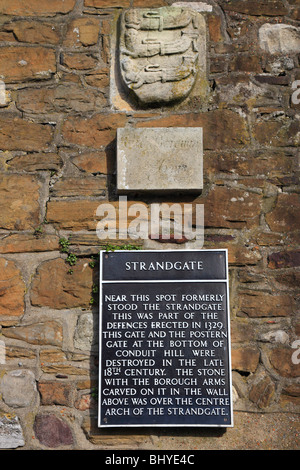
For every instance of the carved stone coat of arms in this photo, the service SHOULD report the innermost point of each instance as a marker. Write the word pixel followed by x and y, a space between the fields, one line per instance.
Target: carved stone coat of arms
pixel 159 52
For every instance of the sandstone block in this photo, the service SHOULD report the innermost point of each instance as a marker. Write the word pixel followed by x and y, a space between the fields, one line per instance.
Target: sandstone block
pixel 262 304
pixel 252 7
pixel 221 128
pixel 26 243
pixel 19 209
pixel 49 332
pixel 36 7
pixel 94 162
pixel 244 359
pixel 107 3
pixel 281 360
pixel 54 287
pixel 35 162
pixel 61 98
pixel 82 32
pixel 230 208
pixel 285 216
pixel 98 131
pixel 54 393
pixel 21 63
pixel 12 290
pixel 34 32
pixel 262 391
pixel 73 215
pixel 18 134
pixel 68 187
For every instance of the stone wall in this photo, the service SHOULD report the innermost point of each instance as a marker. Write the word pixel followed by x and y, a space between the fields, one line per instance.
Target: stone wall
pixel 57 163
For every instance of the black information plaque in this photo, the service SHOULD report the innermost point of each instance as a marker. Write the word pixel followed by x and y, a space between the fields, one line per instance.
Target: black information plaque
pixel 164 339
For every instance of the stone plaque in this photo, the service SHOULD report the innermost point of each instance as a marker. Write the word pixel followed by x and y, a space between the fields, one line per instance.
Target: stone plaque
pixel 160 159
pixel 164 339
pixel 159 52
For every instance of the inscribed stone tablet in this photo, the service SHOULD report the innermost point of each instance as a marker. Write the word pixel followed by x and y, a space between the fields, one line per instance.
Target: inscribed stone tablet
pixel 160 159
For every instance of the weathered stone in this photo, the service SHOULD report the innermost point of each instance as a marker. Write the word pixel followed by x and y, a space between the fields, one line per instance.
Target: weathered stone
pixel 24 243
pixel 251 7
pixel 34 32
pixel 281 360
pixel 85 402
pixel 98 131
pixel 18 388
pixel 94 162
pixel 52 431
pixel 159 159
pixel 262 391
pixel 69 97
pixel 11 434
pixel 160 59
pixel 257 304
pixel 35 162
pixel 230 208
pixel 68 187
pixel 121 440
pixel 79 61
pixel 19 209
pixel 36 7
pixel 286 259
pixel 284 217
pixel 54 393
pixel 49 332
pixel 82 32
pixel 276 133
pixel 246 63
pixel 65 370
pixel 106 3
pixel 85 332
pixel 278 336
pixel 241 332
pixel 53 286
pixel 20 63
pixel 245 359
pixel 279 38
pixel 73 215
pixel 52 355
pixel 290 395
pixel 12 290
pixel 19 134
pixel 222 128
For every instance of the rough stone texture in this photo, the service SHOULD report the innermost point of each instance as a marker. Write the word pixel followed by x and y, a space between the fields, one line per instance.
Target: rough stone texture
pixel 54 286
pixel 12 290
pixel 159 159
pixel 27 63
pixel 11 434
pixel 36 7
pixel 279 38
pixel 52 432
pixel 18 388
pixel 58 128
pixel 27 136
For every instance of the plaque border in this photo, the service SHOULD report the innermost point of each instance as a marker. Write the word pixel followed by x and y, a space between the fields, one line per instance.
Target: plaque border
pixel 226 281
